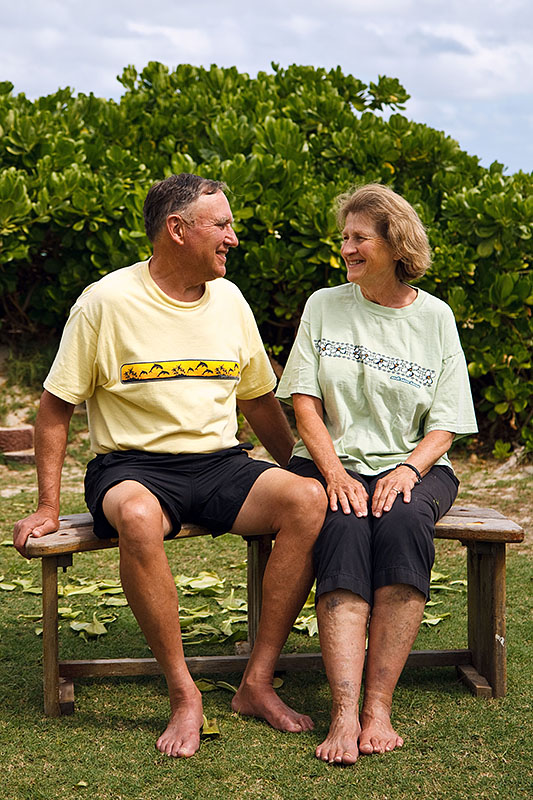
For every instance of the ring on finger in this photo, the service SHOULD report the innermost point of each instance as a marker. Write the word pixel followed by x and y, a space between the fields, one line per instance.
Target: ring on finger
pixel 398 491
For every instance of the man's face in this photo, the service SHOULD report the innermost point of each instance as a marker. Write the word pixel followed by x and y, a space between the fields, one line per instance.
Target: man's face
pixel 208 238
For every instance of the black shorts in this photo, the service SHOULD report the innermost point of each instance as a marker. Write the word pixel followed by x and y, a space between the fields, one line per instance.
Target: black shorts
pixel 363 554
pixel 206 489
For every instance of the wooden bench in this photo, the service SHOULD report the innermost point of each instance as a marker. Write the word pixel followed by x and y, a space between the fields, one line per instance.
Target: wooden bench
pixel 482 666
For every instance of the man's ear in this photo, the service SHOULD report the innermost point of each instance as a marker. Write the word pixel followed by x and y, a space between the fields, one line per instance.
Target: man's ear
pixel 175 227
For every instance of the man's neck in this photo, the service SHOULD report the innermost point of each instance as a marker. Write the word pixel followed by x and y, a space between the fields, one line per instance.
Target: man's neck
pixel 172 283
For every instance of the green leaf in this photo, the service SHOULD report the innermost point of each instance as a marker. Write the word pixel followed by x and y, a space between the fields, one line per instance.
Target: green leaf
pixel 205 685
pixel 438 576
pixel 485 248
pixel 208 583
pixel 68 613
pixel 94 628
pixel 210 727
pixel 231 602
pixel 7 587
pixel 70 590
pixel 307 623
pixel 225 685
pixel 429 619
pixel 113 601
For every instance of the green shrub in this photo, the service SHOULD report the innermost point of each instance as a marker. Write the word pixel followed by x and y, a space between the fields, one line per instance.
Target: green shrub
pixel 75 170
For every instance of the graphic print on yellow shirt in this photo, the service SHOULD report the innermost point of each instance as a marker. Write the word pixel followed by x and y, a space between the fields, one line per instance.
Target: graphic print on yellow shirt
pixel 175 370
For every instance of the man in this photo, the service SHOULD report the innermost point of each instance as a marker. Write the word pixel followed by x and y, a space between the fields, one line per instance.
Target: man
pixel 162 351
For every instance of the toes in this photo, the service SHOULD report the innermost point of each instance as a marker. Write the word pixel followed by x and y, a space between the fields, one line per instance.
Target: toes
pixel 332 754
pixel 366 748
pixel 306 723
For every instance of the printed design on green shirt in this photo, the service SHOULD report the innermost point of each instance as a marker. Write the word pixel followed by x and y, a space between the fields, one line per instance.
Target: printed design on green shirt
pixel 398 368
pixel 139 372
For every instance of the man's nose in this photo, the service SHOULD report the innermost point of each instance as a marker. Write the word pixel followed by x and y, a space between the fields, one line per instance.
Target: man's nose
pixel 231 238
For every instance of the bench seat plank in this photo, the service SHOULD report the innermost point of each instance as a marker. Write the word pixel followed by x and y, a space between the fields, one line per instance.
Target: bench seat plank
pixel 75 534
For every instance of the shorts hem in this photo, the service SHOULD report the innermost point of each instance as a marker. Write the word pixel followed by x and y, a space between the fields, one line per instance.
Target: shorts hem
pixel 343 581
pixel 393 575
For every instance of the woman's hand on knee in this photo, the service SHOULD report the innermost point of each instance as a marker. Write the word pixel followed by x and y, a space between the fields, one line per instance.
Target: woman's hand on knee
pixel 398 482
pixel 348 493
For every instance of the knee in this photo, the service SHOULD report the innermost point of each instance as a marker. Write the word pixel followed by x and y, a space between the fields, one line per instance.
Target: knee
pixel 139 520
pixel 310 502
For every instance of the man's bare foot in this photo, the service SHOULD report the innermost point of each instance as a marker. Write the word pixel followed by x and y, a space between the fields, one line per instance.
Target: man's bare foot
pixel 340 745
pixel 181 738
pixel 377 733
pixel 262 701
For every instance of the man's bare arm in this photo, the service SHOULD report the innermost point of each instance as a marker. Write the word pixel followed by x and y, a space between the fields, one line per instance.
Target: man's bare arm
pixel 270 424
pixel 51 431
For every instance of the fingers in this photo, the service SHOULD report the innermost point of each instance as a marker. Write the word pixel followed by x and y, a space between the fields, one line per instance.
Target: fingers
pixel 34 525
pixel 349 496
pixel 388 489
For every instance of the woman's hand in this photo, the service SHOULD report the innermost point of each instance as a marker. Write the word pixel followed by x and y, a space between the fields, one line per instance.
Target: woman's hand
pixel 347 492
pixel 341 488
pixel 398 482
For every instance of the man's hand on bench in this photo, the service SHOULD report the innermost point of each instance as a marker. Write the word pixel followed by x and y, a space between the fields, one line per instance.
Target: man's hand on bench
pixel 44 520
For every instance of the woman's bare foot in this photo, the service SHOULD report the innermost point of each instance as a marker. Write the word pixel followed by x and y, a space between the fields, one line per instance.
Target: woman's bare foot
pixel 377 733
pixel 262 701
pixel 181 738
pixel 340 745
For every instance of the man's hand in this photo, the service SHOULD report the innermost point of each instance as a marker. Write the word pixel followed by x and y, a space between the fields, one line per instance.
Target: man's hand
pixel 44 520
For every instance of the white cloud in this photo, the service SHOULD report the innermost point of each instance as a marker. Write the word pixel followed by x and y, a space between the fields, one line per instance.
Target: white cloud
pixel 189 41
pixel 301 25
pixel 466 63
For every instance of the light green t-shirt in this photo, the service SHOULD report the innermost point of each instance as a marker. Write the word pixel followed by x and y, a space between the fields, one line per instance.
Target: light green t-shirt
pixel 158 374
pixel 386 376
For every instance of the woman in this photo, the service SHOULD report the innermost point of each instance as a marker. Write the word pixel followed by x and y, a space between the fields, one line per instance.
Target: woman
pixel 380 389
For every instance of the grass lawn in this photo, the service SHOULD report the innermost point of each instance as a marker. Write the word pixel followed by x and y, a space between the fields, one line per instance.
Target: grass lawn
pixel 456 746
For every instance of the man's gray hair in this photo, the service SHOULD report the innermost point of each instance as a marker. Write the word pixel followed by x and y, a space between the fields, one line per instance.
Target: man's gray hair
pixel 173 195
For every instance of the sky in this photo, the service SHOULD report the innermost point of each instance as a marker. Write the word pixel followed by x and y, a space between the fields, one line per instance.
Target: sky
pixel 467 64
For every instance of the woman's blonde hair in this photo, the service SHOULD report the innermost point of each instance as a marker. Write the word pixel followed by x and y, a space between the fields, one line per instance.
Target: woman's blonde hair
pixel 396 222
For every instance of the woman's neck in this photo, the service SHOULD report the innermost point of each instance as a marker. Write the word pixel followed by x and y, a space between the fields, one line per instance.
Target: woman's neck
pixel 392 295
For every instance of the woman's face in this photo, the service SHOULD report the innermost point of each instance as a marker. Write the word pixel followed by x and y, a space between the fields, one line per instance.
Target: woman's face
pixel 368 258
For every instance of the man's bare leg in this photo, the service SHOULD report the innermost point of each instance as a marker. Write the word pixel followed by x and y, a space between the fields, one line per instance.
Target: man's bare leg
pixel 342 622
pixel 151 592
pixel 294 507
pixel 394 624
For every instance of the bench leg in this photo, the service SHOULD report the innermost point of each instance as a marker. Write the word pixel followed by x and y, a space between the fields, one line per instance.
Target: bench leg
pixel 486 617
pixel 50 638
pixel 58 692
pixel 259 549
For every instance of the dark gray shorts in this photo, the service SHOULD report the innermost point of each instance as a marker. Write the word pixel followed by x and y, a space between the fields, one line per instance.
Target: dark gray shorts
pixel 206 489
pixel 363 554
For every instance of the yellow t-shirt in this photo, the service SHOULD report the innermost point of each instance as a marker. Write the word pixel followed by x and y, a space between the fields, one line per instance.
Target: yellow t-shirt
pixel 158 374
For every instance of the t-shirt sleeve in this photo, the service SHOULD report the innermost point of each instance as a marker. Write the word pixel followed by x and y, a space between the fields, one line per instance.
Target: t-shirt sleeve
pixel 300 375
pixel 73 374
pixel 452 408
pixel 257 376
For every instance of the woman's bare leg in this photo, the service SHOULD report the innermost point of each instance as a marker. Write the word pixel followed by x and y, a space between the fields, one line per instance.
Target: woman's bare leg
pixel 342 622
pixel 394 624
